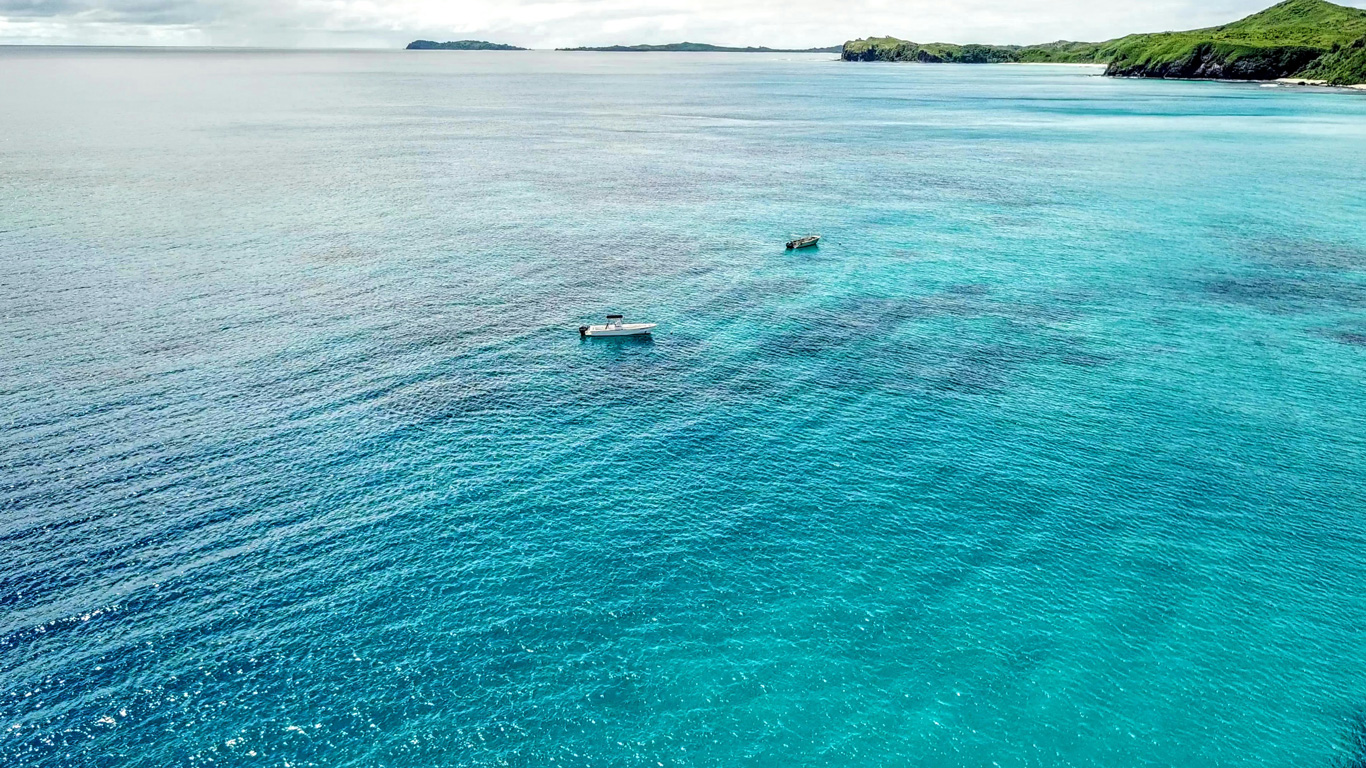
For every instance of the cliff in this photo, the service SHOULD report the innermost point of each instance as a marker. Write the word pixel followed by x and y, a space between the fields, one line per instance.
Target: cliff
pixel 1342 65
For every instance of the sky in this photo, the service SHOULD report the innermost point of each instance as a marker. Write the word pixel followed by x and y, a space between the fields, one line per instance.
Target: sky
pixel 563 23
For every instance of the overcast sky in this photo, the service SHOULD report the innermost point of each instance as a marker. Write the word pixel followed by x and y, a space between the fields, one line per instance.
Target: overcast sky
pixel 552 23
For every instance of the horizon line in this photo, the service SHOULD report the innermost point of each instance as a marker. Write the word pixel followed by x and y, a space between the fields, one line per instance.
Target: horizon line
pixel 566 49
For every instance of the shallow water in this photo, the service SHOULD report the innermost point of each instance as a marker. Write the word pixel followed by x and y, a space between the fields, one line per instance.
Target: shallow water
pixel 1051 454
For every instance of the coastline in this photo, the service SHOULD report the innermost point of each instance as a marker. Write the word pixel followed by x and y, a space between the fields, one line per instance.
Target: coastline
pixel 1288 82
pixel 1300 82
pixel 1301 42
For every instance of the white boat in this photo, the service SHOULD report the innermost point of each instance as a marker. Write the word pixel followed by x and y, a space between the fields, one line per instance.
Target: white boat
pixel 803 242
pixel 615 327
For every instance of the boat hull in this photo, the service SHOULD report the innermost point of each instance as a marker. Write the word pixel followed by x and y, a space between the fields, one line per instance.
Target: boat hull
pixel 626 329
pixel 805 242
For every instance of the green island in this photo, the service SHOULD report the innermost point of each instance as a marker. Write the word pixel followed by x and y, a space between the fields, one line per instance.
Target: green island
pixel 1310 40
pixel 460 45
pixel 701 48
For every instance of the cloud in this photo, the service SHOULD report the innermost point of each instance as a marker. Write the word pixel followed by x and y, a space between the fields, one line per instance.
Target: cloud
pixel 157 12
pixel 551 23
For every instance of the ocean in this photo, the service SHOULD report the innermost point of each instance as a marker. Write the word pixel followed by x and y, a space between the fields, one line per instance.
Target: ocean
pixel 1053 452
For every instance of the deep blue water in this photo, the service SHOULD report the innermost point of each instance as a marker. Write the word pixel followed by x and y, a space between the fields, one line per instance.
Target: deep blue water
pixel 1052 454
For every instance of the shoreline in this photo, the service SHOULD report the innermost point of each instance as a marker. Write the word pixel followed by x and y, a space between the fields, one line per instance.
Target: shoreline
pixel 1301 82
pixel 1284 82
pixel 1289 82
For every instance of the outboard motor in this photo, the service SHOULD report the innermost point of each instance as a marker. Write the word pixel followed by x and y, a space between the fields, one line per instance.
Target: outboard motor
pixel 583 331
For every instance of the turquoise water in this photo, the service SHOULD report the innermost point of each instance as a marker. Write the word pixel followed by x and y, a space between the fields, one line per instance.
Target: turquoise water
pixel 1051 454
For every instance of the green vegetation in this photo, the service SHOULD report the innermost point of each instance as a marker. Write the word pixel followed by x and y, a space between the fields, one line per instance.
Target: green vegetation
pixel 892 49
pixel 1282 41
pixel 1061 52
pixel 1311 39
pixel 460 45
pixel 700 48
pixel 1342 65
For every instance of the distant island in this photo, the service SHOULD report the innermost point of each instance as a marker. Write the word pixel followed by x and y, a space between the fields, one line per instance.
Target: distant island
pixel 702 48
pixel 1313 41
pixel 460 45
